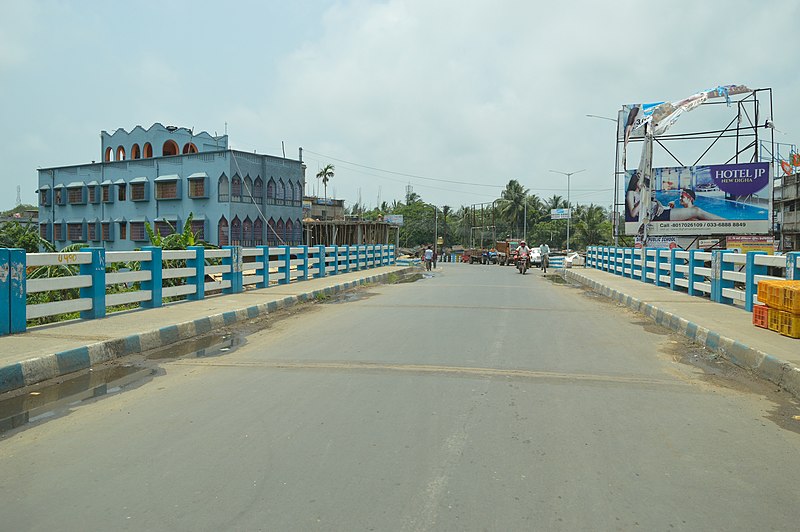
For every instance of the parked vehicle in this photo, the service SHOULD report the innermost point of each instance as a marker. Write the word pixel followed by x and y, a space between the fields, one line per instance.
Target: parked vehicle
pixel 505 251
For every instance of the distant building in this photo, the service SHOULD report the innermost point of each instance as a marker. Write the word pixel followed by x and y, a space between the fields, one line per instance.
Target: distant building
pixel 787 206
pixel 322 209
pixel 160 176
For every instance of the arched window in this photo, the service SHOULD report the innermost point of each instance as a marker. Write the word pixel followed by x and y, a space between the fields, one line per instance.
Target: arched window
pixel 248 189
pixel 258 191
pixel 299 196
pixel 281 229
pixel 271 192
pixel 223 190
pixel 120 153
pixel 109 156
pixel 272 233
pixel 298 232
pixel 222 232
pixel 290 194
pixel 170 148
pixel 280 193
pixel 236 188
pixel 189 147
pixel 247 232
pixel 290 233
pixel 136 153
pixel 236 232
pixel 258 232
pixel 147 151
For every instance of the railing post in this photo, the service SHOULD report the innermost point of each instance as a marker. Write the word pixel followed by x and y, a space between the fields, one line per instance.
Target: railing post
pixel 693 277
pixel 673 272
pixel 18 290
pixel 718 282
pixel 335 260
pixel 659 261
pixel 793 266
pixel 286 269
pixel 234 274
pixel 199 278
pixel 97 291
pixel 751 270
pixel 5 292
pixel 304 267
pixel 264 260
pixel 154 285
pixel 322 265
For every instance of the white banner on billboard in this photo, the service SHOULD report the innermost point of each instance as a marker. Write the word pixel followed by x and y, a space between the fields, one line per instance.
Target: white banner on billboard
pixel 560 214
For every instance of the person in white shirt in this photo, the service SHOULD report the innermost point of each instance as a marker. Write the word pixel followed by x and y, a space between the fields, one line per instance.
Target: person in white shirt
pixel 428 258
pixel 544 251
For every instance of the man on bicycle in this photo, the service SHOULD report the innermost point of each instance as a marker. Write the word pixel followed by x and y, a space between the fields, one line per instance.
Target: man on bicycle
pixel 544 251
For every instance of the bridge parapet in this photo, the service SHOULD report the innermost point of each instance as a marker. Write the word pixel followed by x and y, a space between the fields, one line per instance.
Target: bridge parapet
pixel 90 282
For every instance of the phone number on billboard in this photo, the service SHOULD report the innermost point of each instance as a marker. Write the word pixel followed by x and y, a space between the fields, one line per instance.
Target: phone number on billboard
pixel 704 224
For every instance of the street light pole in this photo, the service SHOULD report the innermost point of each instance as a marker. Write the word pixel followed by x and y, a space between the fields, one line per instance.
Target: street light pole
pixel 569 206
pixel 614 212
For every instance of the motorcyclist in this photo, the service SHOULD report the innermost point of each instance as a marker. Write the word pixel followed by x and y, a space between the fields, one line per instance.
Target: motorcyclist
pixel 524 251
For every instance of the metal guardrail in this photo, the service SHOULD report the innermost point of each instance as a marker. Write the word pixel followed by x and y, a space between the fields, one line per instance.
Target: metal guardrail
pixel 722 276
pixel 147 277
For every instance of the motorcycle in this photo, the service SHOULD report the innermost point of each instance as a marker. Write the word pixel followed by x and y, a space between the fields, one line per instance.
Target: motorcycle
pixel 522 264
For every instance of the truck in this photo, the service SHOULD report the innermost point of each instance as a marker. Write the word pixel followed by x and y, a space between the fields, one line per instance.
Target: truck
pixel 505 251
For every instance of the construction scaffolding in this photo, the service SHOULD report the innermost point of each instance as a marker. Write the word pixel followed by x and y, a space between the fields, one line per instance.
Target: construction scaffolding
pixel 349 232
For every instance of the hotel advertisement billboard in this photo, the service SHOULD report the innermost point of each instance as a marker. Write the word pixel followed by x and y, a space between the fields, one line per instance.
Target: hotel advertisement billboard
pixel 703 200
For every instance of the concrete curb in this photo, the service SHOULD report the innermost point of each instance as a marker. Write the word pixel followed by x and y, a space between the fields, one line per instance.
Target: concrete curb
pixel 39 369
pixel 784 374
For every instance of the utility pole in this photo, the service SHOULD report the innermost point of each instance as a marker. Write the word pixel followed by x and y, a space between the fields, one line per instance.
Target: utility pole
pixel 569 207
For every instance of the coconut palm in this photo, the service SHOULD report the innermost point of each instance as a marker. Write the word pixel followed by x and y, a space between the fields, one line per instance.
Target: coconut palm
pixel 326 173
pixel 512 204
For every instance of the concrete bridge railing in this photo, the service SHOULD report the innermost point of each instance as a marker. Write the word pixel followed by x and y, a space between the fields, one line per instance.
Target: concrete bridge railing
pixel 149 277
pixel 722 276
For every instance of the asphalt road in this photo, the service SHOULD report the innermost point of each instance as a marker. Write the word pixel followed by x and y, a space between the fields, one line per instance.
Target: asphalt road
pixel 478 399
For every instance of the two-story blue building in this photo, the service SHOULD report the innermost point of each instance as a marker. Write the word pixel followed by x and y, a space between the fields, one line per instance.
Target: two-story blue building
pixel 160 176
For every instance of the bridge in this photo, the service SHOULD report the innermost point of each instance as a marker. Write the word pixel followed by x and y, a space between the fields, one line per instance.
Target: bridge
pixel 581 399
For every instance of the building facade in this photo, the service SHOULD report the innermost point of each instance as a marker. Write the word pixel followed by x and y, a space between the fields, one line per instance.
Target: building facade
pixel 161 176
pixel 787 207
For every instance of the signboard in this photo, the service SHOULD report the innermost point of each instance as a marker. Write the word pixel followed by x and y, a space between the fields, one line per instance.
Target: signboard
pixel 394 219
pixel 560 214
pixel 705 243
pixel 660 242
pixel 702 200
pixel 745 243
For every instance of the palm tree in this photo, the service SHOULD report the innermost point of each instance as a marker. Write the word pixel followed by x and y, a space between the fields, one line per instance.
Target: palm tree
pixel 556 202
pixel 512 203
pixel 326 174
pixel 590 224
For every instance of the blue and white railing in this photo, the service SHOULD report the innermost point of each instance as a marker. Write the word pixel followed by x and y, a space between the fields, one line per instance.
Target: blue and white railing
pixel 722 276
pixel 198 270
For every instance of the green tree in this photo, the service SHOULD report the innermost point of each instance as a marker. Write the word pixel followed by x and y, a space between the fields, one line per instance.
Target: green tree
pixel 326 173
pixel 512 205
pixel 591 226
pixel 18 235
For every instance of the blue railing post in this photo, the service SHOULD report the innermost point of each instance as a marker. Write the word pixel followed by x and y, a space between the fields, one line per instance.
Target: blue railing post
pixel 718 283
pixel 634 268
pixel 793 266
pixel 286 269
pixel 693 263
pixel 304 266
pixel 322 265
pixel 198 263
pixel 645 269
pixel 18 292
pixel 660 259
pixel 673 272
pixel 97 291
pixel 234 274
pixel 335 260
pixel 751 270
pixel 154 284
pixel 264 260
pixel 5 292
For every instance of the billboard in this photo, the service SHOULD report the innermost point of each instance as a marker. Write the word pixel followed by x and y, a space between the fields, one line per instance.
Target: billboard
pixel 393 219
pixel 745 243
pixel 560 214
pixel 701 200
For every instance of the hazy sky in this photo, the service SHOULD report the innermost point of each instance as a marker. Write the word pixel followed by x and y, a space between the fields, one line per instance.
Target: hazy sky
pixel 454 97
